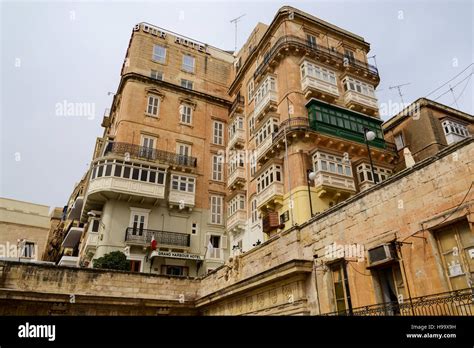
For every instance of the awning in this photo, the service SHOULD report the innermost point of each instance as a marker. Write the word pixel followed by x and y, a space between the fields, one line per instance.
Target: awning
pixel 75 212
pixel 73 237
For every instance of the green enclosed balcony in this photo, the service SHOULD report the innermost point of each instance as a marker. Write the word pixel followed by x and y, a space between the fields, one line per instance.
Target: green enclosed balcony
pixel 343 123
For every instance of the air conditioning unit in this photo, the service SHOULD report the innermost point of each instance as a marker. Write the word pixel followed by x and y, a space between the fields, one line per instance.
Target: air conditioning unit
pixel 382 254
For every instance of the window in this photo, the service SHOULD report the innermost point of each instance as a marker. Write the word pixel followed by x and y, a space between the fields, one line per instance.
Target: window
pixel 364 173
pixel 138 222
pixel 183 149
pixel 148 146
pixel 454 131
pixel 311 39
pixel 186 84
pixel 179 271
pixel 235 204
pixel 216 209
pixel 250 89
pixel 253 165
pixel 456 246
pixel 341 293
pixel 188 63
pixel 153 105
pixel 194 228
pixel 218 134
pixel 271 175
pixel 334 164
pixel 349 55
pixel 159 53
pixel 185 112
pixel 131 171
pixel 318 72
pixel 251 126
pixel 236 161
pixel 28 250
pixel 254 212
pixel 215 241
pixel 95 225
pixel 183 183
pixel 157 75
pixel 267 86
pixel 351 84
pixel 236 125
pixel 217 168
pixel 399 142
pixel 135 265
pixel 270 126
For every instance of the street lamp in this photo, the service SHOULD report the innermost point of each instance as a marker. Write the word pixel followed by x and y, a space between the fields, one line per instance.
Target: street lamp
pixel 370 136
pixel 310 176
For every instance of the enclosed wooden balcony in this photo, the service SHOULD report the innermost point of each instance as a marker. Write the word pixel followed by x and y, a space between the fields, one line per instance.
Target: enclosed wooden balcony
pixel 236 140
pixel 237 221
pixel 362 103
pixel 236 179
pixel 271 196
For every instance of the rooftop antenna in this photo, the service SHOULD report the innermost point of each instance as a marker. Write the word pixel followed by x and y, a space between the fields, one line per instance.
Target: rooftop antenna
pixel 235 20
pixel 399 90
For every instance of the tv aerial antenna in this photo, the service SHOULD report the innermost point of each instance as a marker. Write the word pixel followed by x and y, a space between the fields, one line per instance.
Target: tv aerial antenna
pixel 235 21
pixel 398 87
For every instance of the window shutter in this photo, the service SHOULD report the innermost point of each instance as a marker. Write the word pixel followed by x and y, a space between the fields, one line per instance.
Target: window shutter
pixel 224 242
pixel 207 239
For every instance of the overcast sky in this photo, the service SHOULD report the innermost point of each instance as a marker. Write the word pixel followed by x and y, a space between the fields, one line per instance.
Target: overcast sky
pixel 57 52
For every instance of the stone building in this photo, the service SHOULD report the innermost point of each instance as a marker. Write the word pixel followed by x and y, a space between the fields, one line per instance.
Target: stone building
pixel 157 173
pixel 24 229
pixel 425 127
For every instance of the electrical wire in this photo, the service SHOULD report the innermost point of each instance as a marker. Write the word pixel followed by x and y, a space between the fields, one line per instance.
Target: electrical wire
pixel 447 217
pixel 457 84
pixel 462 92
pixel 367 275
pixel 448 81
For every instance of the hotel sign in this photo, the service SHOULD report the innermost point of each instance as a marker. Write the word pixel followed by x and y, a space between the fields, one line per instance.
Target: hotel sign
pixel 176 255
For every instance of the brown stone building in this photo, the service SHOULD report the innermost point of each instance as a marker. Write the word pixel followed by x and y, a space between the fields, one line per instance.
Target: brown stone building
pixel 24 229
pixel 425 127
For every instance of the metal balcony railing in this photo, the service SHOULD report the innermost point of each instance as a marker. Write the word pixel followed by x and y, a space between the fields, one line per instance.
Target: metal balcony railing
pixel 144 236
pixel 302 43
pixel 150 154
pixel 459 302
pixel 291 124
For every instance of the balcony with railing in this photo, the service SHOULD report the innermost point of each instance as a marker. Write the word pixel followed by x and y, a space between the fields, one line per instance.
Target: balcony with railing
pixel 237 106
pixel 271 195
pixel 143 237
pixel 267 103
pixel 91 242
pixel 150 154
pixel 315 51
pixel 236 221
pixel 237 139
pixel 311 84
pixel 236 179
pixel 360 102
pixel 263 147
pixel 453 303
pixel 327 182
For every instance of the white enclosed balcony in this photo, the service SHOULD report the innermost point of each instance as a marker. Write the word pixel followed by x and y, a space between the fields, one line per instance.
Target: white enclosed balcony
pixel 237 139
pixel 311 84
pixel 236 178
pixel 267 103
pixel 182 191
pixel 271 195
pixel 237 221
pixel 91 242
pixel 356 100
pixel 332 181
pixel 263 147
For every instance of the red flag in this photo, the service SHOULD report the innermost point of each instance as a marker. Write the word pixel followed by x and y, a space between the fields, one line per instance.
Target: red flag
pixel 153 243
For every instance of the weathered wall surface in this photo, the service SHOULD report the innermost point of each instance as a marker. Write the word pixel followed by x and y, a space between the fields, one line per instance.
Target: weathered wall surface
pixel 44 289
